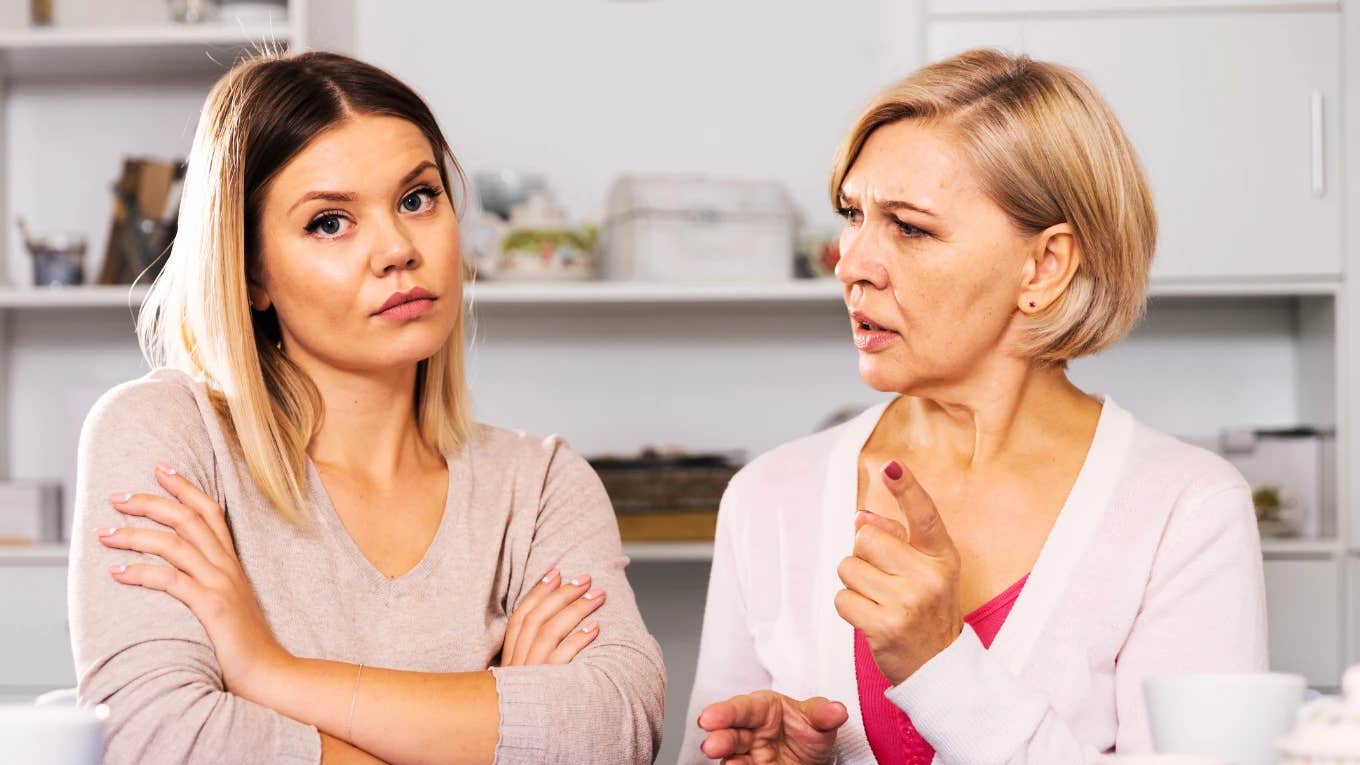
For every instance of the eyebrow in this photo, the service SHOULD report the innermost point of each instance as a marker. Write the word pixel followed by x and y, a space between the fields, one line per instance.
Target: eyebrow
pixel 349 196
pixel 893 204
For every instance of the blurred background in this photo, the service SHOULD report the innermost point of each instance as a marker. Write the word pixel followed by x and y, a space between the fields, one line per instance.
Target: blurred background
pixel 652 241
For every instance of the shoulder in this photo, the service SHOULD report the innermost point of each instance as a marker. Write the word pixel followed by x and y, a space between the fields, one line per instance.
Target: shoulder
pixel 525 458
pixel 790 479
pixel 1188 490
pixel 1177 470
pixel 162 405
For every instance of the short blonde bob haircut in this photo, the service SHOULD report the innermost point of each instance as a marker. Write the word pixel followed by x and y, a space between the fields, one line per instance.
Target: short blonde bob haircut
pixel 1047 150
pixel 197 317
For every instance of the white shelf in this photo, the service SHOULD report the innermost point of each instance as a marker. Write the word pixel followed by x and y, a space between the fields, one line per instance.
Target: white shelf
pixel 30 554
pixel 668 552
pixel 56 52
pixel 1302 547
pixel 801 291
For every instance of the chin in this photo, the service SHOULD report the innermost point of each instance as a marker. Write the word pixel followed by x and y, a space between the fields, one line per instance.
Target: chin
pixel 882 375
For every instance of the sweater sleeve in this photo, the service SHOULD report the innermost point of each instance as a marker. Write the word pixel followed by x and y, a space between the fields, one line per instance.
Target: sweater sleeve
pixel 606 705
pixel 1203 610
pixel 139 651
pixel 728 664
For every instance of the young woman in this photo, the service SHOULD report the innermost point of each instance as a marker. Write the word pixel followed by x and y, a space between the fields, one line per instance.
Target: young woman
pixel 293 545
pixel 987 567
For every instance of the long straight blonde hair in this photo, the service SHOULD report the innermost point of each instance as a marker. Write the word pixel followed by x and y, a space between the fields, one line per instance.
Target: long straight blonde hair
pixel 197 317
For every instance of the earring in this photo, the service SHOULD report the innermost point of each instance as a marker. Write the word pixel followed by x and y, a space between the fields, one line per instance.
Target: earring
pixel 1031 304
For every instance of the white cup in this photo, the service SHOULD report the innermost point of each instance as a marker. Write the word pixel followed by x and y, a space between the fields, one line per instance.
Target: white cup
pixel 1233 717
pixel 1158 759
pixel 48 735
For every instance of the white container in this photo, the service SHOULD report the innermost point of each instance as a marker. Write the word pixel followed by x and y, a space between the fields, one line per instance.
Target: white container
pixel 30 512
pixel 696 229
pixel 52 735
pixel 1233 717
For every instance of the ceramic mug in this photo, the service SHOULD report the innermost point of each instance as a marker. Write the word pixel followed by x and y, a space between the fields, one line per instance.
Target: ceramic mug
pixel 51 735
pixel 1233 717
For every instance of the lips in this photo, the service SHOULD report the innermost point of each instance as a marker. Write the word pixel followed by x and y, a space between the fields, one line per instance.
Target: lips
pixel 869 335
pixel 402 298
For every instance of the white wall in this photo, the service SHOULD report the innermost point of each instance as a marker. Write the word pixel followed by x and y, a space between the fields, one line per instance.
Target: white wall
pixel 583 90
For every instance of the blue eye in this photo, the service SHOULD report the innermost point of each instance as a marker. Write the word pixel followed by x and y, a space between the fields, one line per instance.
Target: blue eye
pixel 419 200
pixel 327 224
pixel 850 214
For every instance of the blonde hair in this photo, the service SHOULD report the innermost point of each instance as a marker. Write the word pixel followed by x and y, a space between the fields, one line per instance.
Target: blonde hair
pixel 197 316
pixel 1048 150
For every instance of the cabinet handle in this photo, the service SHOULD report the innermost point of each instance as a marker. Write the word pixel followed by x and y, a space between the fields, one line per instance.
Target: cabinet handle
pixel 1319 155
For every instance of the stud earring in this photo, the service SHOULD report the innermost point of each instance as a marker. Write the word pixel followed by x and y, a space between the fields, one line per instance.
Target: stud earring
pixel 1031 304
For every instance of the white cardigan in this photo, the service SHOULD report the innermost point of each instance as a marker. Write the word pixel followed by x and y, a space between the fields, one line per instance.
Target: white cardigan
pixel 1153 566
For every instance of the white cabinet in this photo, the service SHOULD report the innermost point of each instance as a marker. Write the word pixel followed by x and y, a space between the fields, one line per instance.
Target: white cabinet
pixel 1235 116
pixel 999 7
pixel 37 644
pixel 1305 623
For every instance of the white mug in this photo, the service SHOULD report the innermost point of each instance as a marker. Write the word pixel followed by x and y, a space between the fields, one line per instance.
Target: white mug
pixel 1233 717
pixel 51 735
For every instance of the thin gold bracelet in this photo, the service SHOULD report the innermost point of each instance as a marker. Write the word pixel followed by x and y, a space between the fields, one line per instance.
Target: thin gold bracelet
pixel 354 697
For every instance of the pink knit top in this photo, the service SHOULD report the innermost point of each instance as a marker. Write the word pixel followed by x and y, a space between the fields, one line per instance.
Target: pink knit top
pixel 892 737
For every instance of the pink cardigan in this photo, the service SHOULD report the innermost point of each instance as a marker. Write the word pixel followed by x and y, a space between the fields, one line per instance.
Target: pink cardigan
pixel 1154 566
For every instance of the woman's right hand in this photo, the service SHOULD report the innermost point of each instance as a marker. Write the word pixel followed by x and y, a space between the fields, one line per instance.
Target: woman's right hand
pixel 547 626
pixel 769 727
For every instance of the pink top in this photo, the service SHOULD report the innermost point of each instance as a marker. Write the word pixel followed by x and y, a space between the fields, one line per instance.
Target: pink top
pixel 892 737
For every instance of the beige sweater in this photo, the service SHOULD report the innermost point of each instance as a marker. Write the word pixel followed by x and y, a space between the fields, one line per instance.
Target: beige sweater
pixel 517 506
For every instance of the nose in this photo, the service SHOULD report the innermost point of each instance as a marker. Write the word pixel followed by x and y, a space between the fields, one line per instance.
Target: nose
pixel 861 261
pixel 393 249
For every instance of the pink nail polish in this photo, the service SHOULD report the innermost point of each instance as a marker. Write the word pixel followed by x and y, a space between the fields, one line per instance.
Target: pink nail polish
pixel 577 581
pixel 593 594
pixel 105 532
pixel 551 575
pixel 893 470
pixel 590 627
pixel 164 468
pixel 120 497
pixel 118 569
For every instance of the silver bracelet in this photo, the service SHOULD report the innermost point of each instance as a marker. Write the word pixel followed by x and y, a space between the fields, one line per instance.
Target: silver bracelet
pixel 354 697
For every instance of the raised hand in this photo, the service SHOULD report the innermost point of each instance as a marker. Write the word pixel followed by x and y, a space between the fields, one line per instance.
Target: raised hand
pixel 901 583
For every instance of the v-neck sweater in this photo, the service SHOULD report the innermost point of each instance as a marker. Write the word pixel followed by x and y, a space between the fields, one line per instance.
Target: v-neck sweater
pixel 517 506
pixel 1152 566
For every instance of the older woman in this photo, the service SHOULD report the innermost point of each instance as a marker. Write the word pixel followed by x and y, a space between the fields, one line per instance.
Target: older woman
pixel 985 568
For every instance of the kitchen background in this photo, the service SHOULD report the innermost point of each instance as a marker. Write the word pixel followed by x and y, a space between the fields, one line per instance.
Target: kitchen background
pixel 710 107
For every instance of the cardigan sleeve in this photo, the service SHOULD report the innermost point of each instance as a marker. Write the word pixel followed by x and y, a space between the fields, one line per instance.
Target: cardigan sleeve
pixel 728 664
pixel 1203 610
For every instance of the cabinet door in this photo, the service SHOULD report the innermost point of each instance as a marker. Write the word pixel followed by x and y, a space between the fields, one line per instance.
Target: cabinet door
pixel 33 631
pixel 974 7
pixel 1234 115
pixel 1303 599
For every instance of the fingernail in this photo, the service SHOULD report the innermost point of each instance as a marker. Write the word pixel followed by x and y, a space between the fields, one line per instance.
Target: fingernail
pixel 105 532
pixel 577 581
pixel 551 575
pixel 164 468
pixel 893 470
pixel 590 627
pixel 120 497
pixel 118 569
pixel 593 594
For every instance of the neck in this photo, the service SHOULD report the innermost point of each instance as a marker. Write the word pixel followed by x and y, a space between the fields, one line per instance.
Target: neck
pixel 1013 407
pixel 369 428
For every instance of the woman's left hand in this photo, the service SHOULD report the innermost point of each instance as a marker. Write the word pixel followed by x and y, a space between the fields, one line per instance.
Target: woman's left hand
pixel 902 582
pixel 204 574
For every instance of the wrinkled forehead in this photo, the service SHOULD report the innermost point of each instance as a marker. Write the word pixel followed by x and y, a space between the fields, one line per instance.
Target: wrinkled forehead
pixel 913 161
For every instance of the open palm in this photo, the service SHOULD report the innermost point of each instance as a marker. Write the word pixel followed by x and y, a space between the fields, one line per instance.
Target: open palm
pixel 764 728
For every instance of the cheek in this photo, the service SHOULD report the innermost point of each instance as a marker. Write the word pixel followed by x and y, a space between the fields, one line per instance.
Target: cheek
pixel 312 281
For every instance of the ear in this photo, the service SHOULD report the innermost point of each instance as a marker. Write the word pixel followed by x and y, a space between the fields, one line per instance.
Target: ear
pixel 1049 268
pixel 256 293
